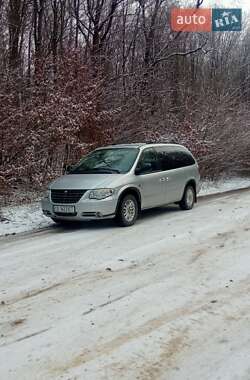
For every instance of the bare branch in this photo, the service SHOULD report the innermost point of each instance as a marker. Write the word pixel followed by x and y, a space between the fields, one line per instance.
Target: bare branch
pixel 182 54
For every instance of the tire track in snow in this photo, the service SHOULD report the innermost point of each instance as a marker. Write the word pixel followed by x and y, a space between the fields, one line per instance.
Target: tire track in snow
pixel 156 323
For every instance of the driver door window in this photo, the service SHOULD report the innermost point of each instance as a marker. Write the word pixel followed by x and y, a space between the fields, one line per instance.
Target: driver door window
pixel 148 162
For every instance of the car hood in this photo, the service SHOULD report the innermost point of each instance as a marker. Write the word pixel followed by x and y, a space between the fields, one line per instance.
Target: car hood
pixel 86 181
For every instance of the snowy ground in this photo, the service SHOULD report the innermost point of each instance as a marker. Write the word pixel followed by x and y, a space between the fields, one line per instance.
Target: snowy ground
pixel 29 217
pixel 23 218
pixel 167 299
pixel 223 185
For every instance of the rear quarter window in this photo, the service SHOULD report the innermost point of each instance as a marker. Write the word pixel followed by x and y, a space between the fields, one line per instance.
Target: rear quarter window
pixel 183 159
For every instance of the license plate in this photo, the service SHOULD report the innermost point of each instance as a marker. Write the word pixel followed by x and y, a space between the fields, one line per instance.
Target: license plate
pixel 65 209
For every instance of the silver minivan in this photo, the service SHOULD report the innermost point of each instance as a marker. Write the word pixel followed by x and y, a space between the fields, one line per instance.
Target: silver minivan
pixel 119 181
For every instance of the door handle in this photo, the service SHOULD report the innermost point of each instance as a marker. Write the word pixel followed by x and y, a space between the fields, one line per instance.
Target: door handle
pixel 163 179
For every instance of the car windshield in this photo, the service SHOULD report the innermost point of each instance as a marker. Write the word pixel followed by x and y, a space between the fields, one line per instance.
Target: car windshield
pixel 107 161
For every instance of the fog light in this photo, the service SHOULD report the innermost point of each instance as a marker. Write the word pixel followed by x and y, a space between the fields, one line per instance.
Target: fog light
pixel 92 214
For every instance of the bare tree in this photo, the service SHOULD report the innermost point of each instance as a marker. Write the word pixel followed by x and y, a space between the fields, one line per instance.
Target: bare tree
pixel 16 19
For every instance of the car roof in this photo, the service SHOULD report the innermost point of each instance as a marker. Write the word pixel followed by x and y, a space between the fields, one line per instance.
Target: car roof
pixel 135 145
pixel 141 145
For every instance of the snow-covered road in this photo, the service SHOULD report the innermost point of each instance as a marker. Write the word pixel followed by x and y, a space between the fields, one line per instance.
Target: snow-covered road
pixel 168 299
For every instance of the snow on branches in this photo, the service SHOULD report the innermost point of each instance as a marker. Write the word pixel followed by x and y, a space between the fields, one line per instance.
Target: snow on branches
pixel 48 121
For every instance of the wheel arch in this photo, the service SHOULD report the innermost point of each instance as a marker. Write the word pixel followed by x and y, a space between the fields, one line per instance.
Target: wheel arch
pixel 129 190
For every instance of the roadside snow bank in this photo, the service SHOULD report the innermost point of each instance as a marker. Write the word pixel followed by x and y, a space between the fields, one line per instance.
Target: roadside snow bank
pixel 22 218
pixel 29 217
pixel 213 187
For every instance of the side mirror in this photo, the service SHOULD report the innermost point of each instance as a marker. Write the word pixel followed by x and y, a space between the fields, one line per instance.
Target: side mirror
pixel 68 168
pixel 146 168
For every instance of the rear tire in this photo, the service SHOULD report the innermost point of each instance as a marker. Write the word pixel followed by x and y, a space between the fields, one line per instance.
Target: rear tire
pixel 127 212
pixel 188 199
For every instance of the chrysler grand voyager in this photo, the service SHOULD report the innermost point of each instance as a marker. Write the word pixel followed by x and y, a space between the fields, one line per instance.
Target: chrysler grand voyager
pixel 119 181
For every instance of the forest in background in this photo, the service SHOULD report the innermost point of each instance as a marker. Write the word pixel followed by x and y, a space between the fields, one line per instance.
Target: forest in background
pixel 76 74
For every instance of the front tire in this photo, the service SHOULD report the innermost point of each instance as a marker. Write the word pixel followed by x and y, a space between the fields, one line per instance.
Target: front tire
pixel 188 199
pixel 127 212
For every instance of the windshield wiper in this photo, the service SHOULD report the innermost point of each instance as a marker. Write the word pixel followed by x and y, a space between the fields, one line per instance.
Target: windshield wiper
pixel 106 170
pixel 111 170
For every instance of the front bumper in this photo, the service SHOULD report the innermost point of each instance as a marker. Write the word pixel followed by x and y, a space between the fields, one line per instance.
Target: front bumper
pixel 85 209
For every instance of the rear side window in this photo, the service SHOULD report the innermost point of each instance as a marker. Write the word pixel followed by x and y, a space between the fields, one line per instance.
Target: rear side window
pixel 174 159
pixel 164 160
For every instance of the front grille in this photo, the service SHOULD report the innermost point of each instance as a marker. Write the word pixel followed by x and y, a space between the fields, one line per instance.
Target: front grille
pixel 66 196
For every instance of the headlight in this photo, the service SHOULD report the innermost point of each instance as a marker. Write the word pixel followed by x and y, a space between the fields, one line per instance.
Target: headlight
pixel 46 194
pixel 101 193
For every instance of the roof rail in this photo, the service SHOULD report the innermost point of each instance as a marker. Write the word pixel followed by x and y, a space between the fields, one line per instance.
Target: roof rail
pixel 162 142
